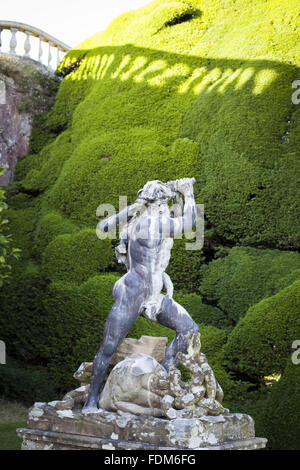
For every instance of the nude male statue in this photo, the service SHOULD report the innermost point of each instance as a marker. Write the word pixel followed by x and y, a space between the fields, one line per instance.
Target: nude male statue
pixel 145 248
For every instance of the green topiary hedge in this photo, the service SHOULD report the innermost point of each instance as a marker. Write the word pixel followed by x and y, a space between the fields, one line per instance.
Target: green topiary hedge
pixel 24 384
pixel 169 107
pixel 277 417
pixel 24 165
pixel 246 276
pixel 171 85
pixel 115 164
pixel 202 313
pixel 77 256
pixel 41 134
pixel 184 266
pixel 22 224
pixel 23 321
pixel 7 252
pixel 48 164
pixel 76 317
pixel 261 342
pixel 49 227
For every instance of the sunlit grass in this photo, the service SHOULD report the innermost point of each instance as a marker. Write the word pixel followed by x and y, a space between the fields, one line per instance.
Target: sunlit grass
pixel 271 379
pixel 12 411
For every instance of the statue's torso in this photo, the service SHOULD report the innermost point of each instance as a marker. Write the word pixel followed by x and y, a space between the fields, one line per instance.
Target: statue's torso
pixel 148 255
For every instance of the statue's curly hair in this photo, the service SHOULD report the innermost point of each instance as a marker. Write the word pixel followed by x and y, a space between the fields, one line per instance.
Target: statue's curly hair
pixel 154 190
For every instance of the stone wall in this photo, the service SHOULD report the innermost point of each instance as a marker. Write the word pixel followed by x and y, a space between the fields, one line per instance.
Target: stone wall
pixel 27 89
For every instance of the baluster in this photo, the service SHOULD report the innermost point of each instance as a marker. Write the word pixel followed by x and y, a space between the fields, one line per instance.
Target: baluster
pixel 57 57
pixel 40 50
pixel 27 45
pixel 13 41
pixel 49 55
pixel 1 29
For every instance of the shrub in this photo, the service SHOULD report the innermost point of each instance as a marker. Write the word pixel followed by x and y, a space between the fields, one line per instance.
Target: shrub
pixel 184 267
pixel 23 321
pixel 76 318
pixel 76 257
pixel 212 340
pixel 22 225
pixel 143 326
pixel 24 165
pixel 49 227
pixel 158 88
pixel 17 199
pixel 25 385
pixel 41 135
pixel 117 163
pixel 167 14
pixel 261 342
pixel 277 417
pixel 48 164
pixel 7 252
pixel 202 313
pixel 246 276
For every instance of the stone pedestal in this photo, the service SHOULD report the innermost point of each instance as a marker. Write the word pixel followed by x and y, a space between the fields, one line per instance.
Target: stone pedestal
pixel 51 428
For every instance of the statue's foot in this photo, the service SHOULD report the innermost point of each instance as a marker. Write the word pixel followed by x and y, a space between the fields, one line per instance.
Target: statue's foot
pixel 89 410
pixel 90 406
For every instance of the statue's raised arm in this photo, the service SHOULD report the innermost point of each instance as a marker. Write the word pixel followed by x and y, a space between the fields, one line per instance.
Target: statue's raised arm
pixel 185 223
pixel 110 223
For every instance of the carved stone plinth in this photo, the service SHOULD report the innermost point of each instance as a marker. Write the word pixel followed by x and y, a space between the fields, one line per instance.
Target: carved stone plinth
pixel 151 345
pixel 51 428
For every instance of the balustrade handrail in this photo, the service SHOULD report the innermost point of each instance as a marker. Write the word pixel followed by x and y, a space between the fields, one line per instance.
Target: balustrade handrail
pixel 28 30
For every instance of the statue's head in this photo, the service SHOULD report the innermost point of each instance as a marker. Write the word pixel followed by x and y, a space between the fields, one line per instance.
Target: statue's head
pixel 156 190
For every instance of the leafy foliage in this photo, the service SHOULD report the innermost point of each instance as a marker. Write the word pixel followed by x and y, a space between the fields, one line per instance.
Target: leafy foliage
pixel 261 342
pixel 202 313
pixel 49 227
pixel 7 252
pixel 64 259
pixel 246 276
pixel 281 406
pixel 23 321
pixel 76 317
pixel 25 384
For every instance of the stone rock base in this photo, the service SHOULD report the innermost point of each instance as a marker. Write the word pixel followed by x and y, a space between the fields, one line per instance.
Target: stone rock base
pixel 49 428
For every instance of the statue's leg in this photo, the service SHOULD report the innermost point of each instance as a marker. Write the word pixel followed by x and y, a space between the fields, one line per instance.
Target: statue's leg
pixel 174 316
pixel 118 323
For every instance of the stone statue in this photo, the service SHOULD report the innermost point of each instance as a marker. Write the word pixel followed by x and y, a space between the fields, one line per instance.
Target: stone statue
pixel 145 247
pixel 136 385
pixel 140 385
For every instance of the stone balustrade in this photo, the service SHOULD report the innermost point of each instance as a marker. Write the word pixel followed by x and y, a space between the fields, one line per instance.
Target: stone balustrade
pixel 54 45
